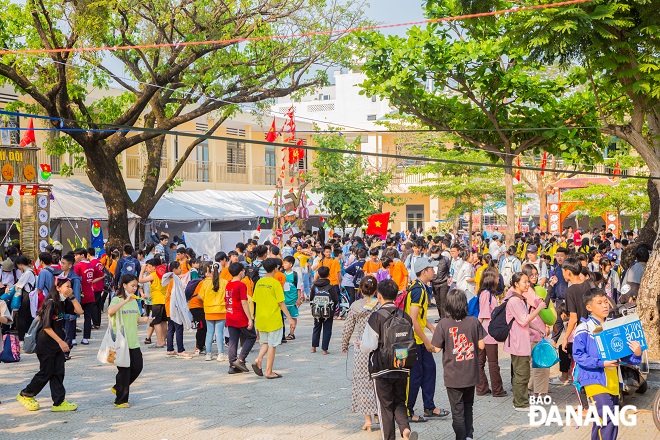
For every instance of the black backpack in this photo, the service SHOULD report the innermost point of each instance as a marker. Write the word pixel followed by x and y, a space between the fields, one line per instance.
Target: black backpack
pixel 498 328
pixel 190 288
pixel 399 348
pixel 359 275
pixel 322 305
pixel 252 272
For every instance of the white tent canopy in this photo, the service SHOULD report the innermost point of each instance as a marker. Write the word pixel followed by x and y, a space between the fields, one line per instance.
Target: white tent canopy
pixel 77 200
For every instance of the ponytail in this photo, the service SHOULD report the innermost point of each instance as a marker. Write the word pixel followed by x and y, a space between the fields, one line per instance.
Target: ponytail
pixel 216 276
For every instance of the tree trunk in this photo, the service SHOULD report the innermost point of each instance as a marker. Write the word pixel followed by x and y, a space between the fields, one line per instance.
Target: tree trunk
pixel 510 201
pixel 542 192
pixel 470 226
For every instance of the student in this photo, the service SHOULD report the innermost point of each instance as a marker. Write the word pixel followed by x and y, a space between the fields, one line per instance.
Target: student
pixel 373 264
pixel 98 286
pixel 599 378
pixel 423 373
pixel 212 293
pixel 269 298
pixel 458 336
pixel 539 377
pixel 239 320
pixel 149 275
pixel 125 304
pixel 397 269
pixel 196 307
pixel 390 385
pixel 293 291
pixel 332 265
pixel 88 275
pixel 176 309
pixel 572 269
pixel 518 344
pixel 66 263
pixel 487 302
pixel 51 348
pixel 322 283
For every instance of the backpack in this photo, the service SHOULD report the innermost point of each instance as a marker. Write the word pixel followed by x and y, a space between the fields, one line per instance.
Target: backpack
pixel 30 340
pixel 130 267
pixel 359 275
pixel 55 272
pixel 399 348
pixel 322 305
pixel 473 305
pixel 507 270
pixel 400 301
pixel 498 328
pixel 108 280
pixel 11 348
pixel 191 287
pixel 252 272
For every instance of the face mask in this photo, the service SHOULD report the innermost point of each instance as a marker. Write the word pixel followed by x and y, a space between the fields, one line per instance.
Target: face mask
pixel 62 297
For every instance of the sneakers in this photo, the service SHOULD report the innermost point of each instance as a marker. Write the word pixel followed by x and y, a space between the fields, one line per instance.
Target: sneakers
pixel 521 408
pixel 113 391
pixel 222 357
pixel 122 405
pixel 84 342
pixel 202 351
pixel 74 342
pixel 240 366
pixel 64 406
pixel 208 357
pixel 558 381
pixel 28 402
pixel 232 370
pixel 197 351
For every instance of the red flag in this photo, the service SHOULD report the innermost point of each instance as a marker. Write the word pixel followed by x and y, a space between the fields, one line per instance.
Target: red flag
pixel 517 175
pixel 10 189
pixel 22 190
pixel 544 162
pixel 35 189
pixel 272 133
pixel 28 137
pixel 617 169
pixel 377 224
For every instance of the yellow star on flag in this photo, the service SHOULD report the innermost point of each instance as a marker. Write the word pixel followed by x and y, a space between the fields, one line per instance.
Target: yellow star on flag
pixel 378 224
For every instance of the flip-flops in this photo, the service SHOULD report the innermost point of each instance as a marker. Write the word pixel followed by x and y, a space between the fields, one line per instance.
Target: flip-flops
pixel 431 414
pixel 277 376
pixel 420 419
pixel 257 370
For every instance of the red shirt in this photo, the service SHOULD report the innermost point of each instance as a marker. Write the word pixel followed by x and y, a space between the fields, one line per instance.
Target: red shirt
pixel 98 272
pixel 235 292
pixel 85 270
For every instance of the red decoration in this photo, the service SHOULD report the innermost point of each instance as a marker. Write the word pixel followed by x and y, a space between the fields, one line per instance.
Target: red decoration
pixel 10 189
pixel 35 189
pixel 272 133
pixel 28 137
pixel 544 162
pixel 259 228
pixel 377 224
pixel 290 125
pixel 517 175
pixel 617 169
pixel 22 190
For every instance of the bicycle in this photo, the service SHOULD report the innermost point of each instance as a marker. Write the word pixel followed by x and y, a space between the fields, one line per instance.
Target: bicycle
pixel 655 410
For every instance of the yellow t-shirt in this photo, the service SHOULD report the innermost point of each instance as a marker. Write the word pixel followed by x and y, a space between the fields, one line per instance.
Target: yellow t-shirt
pixel 302 258
pixel 418 296
pixel 478 274
pixel 268 294
pixel 611 384
pixel 157 291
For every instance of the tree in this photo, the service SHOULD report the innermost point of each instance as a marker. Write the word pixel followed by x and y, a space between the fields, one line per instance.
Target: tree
pixel 164 86
pixel 618 43
pixel 626 197
pixel 351 188
pixel 471 81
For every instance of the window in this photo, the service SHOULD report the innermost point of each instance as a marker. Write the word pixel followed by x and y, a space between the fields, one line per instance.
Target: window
pixel 372 117
pixel 270 177
pixel 203 161
pixel 236 157
pixel 374 99
pixel 176 147
pixel 415 216
pixel 323 97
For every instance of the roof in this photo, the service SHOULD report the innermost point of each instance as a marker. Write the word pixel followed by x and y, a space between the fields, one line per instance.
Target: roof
pixel 581 182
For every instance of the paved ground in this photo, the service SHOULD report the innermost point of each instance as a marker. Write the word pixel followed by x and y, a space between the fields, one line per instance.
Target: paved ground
pixel 194 399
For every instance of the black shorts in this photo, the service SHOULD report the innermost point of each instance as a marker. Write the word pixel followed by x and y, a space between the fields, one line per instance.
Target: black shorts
pixel 158 311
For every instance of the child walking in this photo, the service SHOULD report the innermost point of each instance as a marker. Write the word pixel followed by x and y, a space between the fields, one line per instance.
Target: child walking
pixel 51 348
pixel 322 286
pixel 293 292
pixel 599 378
pixel 212 294
pixel 487 303
pixel 461 338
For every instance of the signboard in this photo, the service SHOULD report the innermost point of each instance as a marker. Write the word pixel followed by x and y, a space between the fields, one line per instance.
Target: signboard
pixel 612 342
pixel 18 165
pixel 9 137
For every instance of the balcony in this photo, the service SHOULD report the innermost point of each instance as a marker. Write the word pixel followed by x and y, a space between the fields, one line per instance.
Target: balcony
pixel 266 175
pixel 231 173
pixel 136 163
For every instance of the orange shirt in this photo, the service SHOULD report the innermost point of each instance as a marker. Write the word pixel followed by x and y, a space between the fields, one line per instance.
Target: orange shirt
pixel 334 267
pixel 195 302
pixel 168 294
pixel 279 276
pixel 399 274
pixel 370 267
pixel 225 275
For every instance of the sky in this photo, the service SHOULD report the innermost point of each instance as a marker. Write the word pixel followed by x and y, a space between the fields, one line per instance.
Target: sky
pixel 395 11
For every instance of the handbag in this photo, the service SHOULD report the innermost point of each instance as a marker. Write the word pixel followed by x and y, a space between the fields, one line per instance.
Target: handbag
pixel 544 355
pixel 114 347
pixel 11 348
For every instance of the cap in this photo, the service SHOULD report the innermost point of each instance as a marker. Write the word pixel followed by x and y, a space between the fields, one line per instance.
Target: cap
pixel 532 248
pixel 7 265
pixel 611 256
pixel 423 263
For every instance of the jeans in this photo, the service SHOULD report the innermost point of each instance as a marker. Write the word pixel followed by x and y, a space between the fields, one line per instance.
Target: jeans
pixel 306 284
pixel 422 375
pixel 391 397
pixel 326 325
pixel 235 334
pixel 174 329
pixel 70 331
pixel 51 370
pixel 461 401
pixel 90 310
pixel 127 375
pixel 215 328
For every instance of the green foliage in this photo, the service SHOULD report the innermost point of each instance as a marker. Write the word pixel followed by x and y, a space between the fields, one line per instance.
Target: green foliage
pixel 627 197
pixel 77 243
pixel 351 188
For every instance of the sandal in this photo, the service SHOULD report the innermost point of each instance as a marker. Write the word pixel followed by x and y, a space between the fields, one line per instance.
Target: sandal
pixel 420 419
pixel 276 376
pixel 291 337
pixel 257 370
pixel 28 402
pixel 147 341
pixel 430 414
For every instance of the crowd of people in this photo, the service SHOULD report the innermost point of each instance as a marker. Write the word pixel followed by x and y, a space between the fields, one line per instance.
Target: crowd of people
pixel 551 286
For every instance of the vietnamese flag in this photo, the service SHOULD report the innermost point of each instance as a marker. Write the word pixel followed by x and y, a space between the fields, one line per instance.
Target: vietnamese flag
pixel 28 137
pixel 377 224
pixel 272 133
pixel 544 162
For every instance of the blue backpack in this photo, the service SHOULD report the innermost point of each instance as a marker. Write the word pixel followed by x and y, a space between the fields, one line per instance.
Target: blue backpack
pixel 131 267
pixel 473 305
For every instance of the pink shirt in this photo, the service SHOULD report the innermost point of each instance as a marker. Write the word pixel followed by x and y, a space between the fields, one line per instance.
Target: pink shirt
pixel 486 306
pixel 518 342
pixel 533 301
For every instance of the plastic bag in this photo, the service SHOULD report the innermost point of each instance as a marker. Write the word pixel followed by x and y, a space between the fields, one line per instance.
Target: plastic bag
pixel 114 347
pixel 544 355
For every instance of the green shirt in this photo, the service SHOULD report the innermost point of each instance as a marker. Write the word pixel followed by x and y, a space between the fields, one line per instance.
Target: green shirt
pixel 290 289
pixel 129 315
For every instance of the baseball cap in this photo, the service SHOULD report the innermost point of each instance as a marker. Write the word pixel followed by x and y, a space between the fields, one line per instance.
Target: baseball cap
pixel 423 263
pixel 611 256
pixel 532 248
